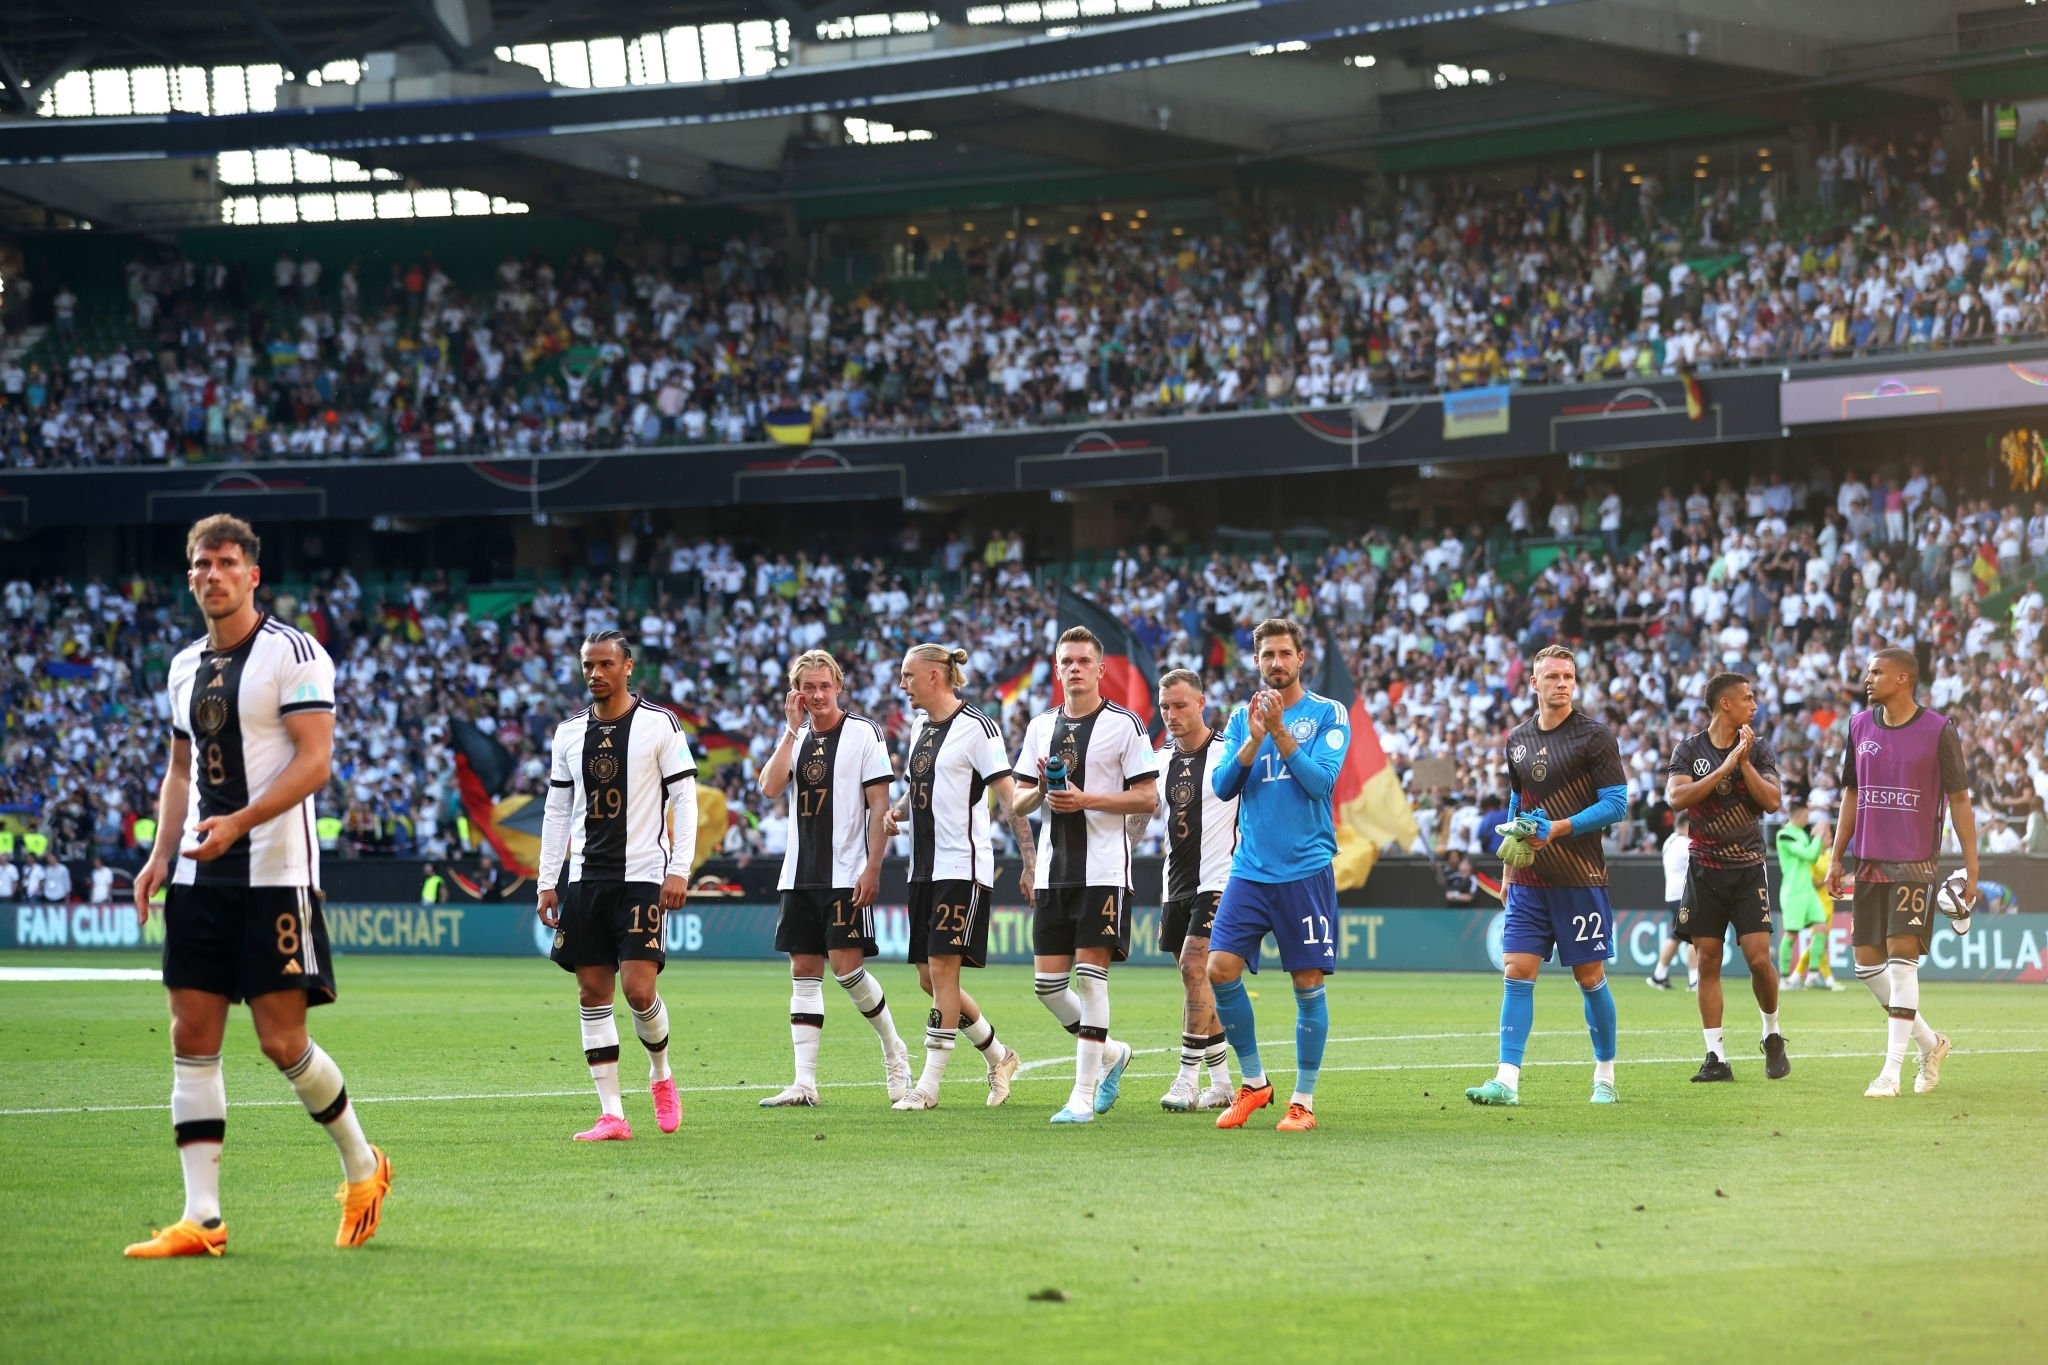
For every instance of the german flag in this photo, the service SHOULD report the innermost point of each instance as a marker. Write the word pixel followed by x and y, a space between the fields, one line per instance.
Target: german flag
pixel 1008 692
pixel 1372 810
pixel 1128 673
pixel 483 772
pixel 402 620
pixel 713 747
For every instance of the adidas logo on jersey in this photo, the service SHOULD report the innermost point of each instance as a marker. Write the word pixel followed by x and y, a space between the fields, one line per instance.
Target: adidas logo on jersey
pixel 292 968
pixel 654 943
pixel 605 743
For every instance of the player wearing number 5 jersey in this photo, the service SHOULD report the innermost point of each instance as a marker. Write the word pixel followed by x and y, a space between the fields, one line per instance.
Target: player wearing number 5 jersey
pixel 1284 751
pixel 1560 760
pixel 621 785
pixel 252 727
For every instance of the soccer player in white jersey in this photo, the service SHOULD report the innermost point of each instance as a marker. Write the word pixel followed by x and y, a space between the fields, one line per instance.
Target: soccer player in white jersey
pixel 1088 763
pixel 622 783
pixel 835 770
pixel 1201 836
pixel 955 760
pixel 252 742
pixel 1090 766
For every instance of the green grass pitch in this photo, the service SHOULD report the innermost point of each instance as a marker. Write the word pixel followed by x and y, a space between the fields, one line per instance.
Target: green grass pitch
pixel 1759 1221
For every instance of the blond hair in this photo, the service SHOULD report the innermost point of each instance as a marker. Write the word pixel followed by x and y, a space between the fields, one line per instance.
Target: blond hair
pixel 814 658
pixel 951 659
pixel 1555 652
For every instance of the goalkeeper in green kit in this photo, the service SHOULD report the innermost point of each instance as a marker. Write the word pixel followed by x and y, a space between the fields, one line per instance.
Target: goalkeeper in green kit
pixel 1806 914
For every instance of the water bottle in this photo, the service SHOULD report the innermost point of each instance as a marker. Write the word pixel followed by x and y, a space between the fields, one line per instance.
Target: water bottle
pixel 1056 774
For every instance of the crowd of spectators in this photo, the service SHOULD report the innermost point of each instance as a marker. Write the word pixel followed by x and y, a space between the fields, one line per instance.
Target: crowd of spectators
pixel 1793 582
pixel 1446 285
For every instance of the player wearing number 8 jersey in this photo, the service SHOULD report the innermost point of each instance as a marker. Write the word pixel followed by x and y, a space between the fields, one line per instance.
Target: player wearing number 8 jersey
pixel 835 770
pixel 1558 760
pixel 252 726
pixel 1286 747
pixel 621 785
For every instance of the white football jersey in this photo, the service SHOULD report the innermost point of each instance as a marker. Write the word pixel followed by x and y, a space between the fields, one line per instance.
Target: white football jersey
pixel 609 793
pixel 828 804
pixel 950 765
pixel 1201 827
pixel 231 704
pixel 1106 751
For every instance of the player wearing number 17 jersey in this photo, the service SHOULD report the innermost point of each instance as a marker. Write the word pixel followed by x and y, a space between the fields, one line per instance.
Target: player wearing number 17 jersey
pixel 621 784
pixel 1558 760
pixel 835 770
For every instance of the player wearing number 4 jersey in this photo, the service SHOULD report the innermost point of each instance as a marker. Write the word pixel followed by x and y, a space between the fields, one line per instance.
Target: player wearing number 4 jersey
pixel 1559 760
pixel 835 770
pixel 1727 777
pixel 1287 746
pixel 1081 920
pixel 621 784
pixel 252 739
pixel 1901 760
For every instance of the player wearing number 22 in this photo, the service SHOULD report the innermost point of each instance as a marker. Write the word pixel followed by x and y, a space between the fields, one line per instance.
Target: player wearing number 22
pixel 252 739
pixel 621 784
pixel 1727 777
pixel 1558 760
pixel 1285 748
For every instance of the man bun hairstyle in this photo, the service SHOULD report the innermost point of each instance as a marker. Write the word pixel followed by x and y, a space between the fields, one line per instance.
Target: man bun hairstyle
pixel 953 659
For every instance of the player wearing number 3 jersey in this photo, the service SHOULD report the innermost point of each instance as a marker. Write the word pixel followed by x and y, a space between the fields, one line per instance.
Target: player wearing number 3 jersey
pixel 622 785
pixel 1565 785
pixel 1282 754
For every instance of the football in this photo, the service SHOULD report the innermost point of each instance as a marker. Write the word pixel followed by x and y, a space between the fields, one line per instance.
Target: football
pixel 1951 903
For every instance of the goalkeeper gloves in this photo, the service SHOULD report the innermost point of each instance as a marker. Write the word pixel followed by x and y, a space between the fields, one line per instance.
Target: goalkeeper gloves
pixel 1515 849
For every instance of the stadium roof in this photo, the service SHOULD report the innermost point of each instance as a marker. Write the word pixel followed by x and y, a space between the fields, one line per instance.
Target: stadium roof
pixel 612 107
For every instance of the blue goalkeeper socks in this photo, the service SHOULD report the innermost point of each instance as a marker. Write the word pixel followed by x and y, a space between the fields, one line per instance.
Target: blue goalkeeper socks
pixel 1517 1017
pixel 1311 1031
pixel 1234 1010
pixel 1600 1020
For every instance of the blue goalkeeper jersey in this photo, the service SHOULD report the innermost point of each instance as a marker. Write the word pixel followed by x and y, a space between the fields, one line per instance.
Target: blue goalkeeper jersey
pixel 1286 829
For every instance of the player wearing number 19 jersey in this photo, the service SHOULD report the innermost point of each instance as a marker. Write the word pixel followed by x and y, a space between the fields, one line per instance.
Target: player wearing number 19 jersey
pixel 1559 760
pixel 1285 749
pixel 621 784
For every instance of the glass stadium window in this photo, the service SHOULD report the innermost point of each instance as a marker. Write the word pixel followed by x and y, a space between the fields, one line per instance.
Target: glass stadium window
pixel 721 51
pixel 644 61
pixel 230 90
pixel 685 55
pixel 151 87
pixel 608 63
pixel 274 166
pixel 235 168
pixel 572 64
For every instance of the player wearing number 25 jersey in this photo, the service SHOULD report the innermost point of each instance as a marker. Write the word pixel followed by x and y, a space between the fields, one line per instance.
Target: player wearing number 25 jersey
pixel 1565 785
pixel 622 785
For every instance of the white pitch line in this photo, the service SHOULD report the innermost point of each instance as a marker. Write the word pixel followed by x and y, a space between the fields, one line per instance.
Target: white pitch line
pixel 970 1080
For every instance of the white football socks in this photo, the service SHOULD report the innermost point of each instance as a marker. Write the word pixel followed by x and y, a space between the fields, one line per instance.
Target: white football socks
pixel 319 1085
pixel 199 1112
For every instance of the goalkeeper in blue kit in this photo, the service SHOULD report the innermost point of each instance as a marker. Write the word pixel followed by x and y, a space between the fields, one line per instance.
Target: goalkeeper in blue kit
pixel 1284 750
pixel 1566 785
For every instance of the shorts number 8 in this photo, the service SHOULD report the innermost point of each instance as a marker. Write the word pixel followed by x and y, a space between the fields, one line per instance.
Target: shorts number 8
pixel 287 935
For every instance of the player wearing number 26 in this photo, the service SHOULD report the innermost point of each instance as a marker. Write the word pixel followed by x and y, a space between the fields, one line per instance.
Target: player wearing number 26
pixel 1282 752
pixel 1558 761
pixel 252 741
pixel 621 785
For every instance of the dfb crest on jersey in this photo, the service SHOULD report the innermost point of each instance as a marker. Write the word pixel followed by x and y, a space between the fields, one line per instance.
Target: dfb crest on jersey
pixel 1724 786
pixel 1701 767
pixel 1181 793
pixel 814 771
pixel 921 761
pixel 604 768
pixel 211 714
pixel 1303 730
